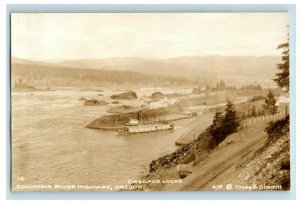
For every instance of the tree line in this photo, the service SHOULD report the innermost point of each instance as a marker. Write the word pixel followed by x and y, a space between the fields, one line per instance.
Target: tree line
pixel 60 76
pixel 227 122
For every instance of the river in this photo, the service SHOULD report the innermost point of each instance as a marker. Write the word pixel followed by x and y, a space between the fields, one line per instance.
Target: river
pixel 50 144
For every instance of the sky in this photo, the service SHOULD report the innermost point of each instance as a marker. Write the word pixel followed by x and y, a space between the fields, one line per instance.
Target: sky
pixel 62 36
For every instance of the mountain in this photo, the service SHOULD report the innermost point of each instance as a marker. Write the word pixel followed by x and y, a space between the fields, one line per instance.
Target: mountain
pixel 185 65
pixel 143 65
pixel 232 69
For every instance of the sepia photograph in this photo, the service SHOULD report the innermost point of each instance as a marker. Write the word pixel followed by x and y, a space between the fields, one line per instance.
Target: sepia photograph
pixel 145 102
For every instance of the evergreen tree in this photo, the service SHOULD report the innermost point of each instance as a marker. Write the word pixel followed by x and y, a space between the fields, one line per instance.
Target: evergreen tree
pixel 222 85
pixel 207 88
pixel 283 77
pixel 217 121
pixel 249 112
pixel 253 111
pixel 231 119
pixel 270 103
pixel 243 115
pixel 224 125
pixel 215 129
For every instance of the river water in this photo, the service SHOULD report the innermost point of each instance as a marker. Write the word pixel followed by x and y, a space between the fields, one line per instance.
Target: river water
pixel 50 144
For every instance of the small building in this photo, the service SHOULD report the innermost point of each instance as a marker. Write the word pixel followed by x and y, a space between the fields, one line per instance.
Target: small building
pixel 282 100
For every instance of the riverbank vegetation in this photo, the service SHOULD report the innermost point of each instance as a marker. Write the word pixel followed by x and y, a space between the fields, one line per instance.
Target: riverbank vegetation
pixel 224 124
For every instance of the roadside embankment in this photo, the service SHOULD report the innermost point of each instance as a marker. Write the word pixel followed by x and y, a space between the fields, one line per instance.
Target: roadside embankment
pixel 270 167
pixel 246 157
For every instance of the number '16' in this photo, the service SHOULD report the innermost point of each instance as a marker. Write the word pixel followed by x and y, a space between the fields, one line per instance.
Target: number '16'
pixel 21 178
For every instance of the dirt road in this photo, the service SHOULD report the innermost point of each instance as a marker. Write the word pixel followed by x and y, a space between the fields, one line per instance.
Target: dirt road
pixel 214 170
pixel 195 128
pixel 223 161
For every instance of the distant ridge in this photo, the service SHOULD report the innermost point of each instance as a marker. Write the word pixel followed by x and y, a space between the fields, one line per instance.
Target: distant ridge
pixel 236 69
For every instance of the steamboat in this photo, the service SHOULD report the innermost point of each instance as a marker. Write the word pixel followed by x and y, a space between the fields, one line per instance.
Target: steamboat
pixel 134 126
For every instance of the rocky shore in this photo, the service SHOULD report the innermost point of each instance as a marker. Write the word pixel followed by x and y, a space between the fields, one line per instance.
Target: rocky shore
pixel 157 95
pixel 116 121
pixel 125 96
pixel 27 88
pixel 94 102
pixel 202 145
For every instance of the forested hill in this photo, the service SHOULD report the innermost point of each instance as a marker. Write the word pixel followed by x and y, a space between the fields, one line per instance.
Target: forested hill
pixel 186 65
pixel 186 70
pixel 45 75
